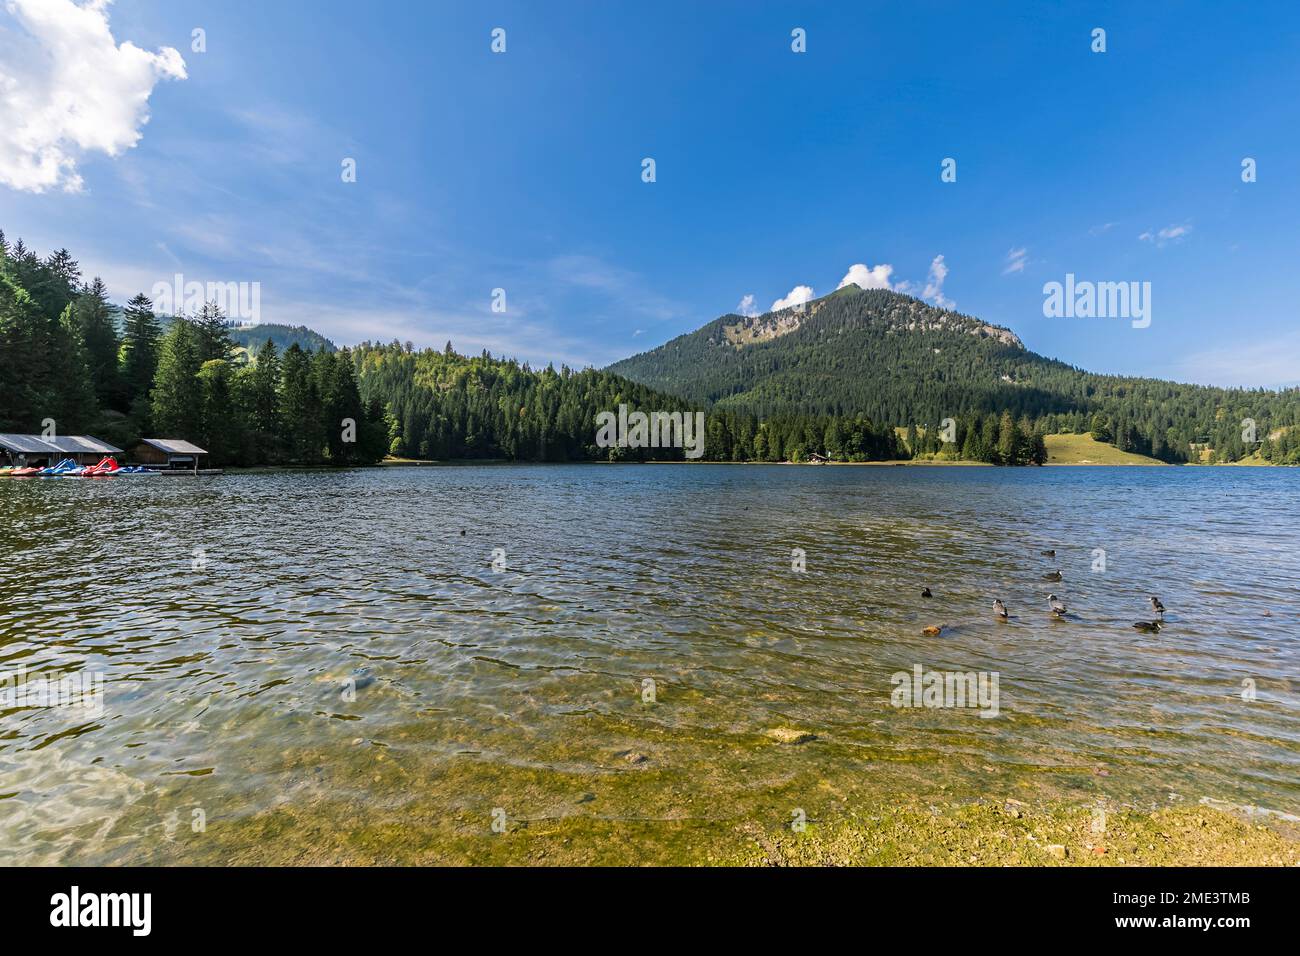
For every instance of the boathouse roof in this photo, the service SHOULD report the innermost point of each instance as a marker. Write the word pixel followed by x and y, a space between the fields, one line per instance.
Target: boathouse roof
pixel 174 446
pixel 56 445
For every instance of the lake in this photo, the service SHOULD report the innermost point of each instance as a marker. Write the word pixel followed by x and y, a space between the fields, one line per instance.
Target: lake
pixel 342 667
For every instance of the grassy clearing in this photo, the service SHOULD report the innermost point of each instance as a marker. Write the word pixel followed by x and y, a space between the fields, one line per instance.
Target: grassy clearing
pixel 1085 450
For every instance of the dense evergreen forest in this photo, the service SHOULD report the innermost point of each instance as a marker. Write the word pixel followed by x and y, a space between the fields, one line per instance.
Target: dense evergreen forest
pixel 446 405
pixel 66 354
pixel 896 359
pixel 833 383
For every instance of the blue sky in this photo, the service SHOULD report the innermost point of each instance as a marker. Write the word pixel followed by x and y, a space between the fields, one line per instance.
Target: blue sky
pixel 774 169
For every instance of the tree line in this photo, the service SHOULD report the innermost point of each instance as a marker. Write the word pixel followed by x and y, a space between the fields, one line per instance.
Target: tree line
pixel 66 357
pixel 446 405
pixel 68 354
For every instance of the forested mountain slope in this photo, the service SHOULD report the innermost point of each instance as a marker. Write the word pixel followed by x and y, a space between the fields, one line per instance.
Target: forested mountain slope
pixel 895 359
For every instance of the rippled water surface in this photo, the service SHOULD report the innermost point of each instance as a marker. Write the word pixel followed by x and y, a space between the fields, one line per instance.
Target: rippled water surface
pixel 231 616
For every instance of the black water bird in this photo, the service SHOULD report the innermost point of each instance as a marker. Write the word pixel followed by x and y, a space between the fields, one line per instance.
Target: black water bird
pixel 1157 606
pixel 1000 609
pixel 1048 554
pixel 1052 576
pixel 1148 627
pixel 925 592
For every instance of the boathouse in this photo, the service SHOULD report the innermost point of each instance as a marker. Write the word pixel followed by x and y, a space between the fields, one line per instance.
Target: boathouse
pixel 172 454
pixel 32 450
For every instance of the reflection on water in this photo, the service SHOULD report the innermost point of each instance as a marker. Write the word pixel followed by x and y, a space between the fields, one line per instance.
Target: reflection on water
pixel 340 644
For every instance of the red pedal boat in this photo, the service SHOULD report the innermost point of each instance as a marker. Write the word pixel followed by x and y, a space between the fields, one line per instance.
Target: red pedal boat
pixel 104 469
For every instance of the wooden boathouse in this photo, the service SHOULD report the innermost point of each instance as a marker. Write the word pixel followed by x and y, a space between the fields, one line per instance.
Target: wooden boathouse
pixel 168 454
pixel 35 450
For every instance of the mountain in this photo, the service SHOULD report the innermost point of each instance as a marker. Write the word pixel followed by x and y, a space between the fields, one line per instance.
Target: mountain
pixel 254 337
pixel 892 358
pixel 250 338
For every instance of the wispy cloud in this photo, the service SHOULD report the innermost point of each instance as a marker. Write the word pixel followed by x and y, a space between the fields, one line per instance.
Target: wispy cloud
pixel 1016 260
pixel 934 284
pixel 1162 237
pixel 1274 363
pixel 67 88
pixel 747 306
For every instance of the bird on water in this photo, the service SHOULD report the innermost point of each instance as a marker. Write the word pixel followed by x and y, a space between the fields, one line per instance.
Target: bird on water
pixel 1057 606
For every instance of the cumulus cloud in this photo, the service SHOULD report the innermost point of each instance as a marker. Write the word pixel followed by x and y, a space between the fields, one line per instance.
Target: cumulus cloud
pixel 747 306
pixel 1016 260
pixel 798 296
pixel 67 88
pixel 1166 235
pixel 871 277
pixel 934 284
pixel 867 277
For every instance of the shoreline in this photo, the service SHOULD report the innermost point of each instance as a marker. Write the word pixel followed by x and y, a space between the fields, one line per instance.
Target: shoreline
pixel 905 463
pixel 986 832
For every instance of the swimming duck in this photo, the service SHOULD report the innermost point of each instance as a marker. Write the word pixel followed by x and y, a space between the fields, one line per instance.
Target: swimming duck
pixel 1048 554
pixel 1057 606
pixel 1148 627
pixel 934 630
pixel 1000 609
pixel 1052 576
pixel 925 592
pixel 1157 606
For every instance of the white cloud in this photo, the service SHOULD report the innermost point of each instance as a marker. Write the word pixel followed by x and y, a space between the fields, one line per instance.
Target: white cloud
pixel 798 296
pixel 867 277
pixel 67 88
pixel 747 306
pixel 1244 364
pixel 1166 235
pixel 1016 260
pixel 934 284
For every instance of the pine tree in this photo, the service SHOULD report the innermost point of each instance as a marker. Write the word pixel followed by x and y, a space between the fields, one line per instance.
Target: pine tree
pixel 300 406
pixel 139 353
pixel 100 341
pixel 212 333
pixel 177 401
pixel 263 397
pixel 219 426
pixel 74 400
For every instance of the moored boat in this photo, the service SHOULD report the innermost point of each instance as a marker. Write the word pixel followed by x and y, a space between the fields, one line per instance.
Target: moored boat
pixel 106 468
pixel 65 465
